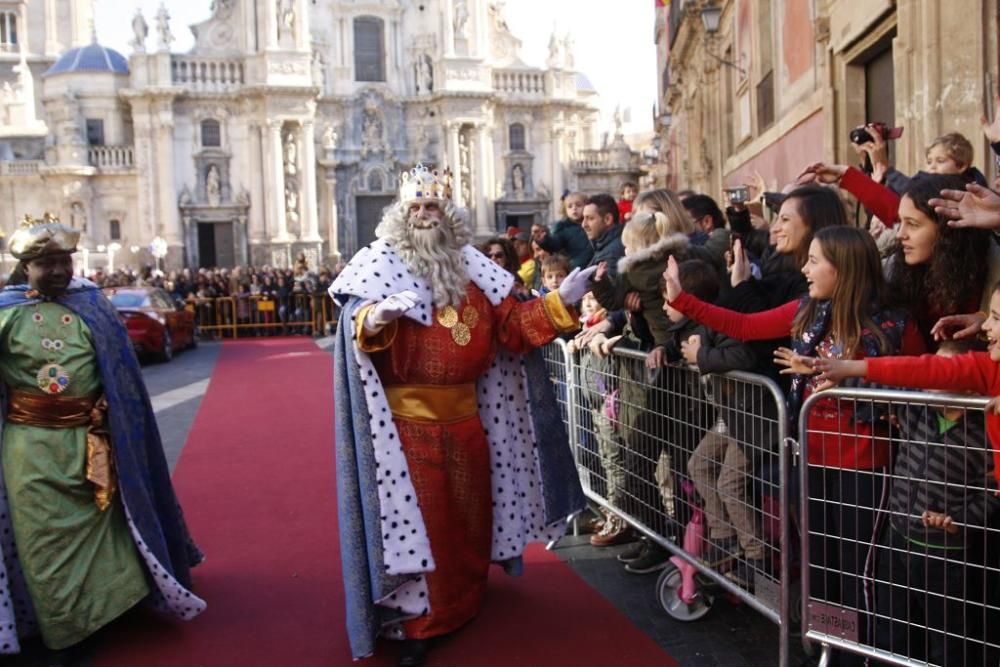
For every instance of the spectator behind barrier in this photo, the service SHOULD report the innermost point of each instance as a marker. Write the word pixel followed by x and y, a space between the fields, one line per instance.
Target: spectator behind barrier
pixel 567 236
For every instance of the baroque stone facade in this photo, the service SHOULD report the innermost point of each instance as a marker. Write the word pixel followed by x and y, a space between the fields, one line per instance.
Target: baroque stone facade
pixel 284 128
pixel 782 82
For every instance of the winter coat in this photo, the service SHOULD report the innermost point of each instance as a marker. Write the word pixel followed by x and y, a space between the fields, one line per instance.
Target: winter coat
pixel 608 249
pixel 568 237
pixel 641 272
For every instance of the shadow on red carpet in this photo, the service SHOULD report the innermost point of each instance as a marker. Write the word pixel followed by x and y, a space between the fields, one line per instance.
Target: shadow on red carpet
pixel 256 481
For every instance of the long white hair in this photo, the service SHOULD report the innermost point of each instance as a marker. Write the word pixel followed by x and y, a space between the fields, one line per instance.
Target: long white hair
pixel 434 254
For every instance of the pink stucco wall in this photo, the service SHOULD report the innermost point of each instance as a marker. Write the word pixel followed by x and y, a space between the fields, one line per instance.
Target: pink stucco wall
pixel 783 160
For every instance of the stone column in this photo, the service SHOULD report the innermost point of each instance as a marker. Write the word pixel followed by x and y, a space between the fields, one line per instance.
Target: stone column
pixel 310 224
pixel 52 44
pixel 484 219
pixel 454 162
pixel 333 222
pixel 449 31
pixel 169 220
pixel 302 26
pixel 257 230
pixel 276 177
pixel 557 169
pixel 271 24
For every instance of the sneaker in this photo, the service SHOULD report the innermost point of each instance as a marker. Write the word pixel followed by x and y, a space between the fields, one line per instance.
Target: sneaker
pixel 634 552
pixel 654 560
pixel 615 531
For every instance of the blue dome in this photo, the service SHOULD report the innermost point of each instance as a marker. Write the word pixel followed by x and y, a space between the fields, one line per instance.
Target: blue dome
pixel 583 83
pixel 90 58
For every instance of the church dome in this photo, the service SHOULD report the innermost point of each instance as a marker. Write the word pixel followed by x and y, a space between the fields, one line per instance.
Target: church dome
pixel 90 58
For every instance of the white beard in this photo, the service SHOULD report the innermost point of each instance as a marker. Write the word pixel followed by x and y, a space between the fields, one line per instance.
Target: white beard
pixel 433 254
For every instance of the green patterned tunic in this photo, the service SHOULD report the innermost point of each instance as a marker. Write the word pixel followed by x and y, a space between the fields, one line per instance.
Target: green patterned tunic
pixel 81 564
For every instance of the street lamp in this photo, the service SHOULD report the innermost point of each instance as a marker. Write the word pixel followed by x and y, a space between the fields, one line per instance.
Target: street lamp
pixel 159 249
pixel 711 17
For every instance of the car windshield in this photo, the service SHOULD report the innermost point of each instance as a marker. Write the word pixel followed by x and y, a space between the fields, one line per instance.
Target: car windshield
pixel 129 299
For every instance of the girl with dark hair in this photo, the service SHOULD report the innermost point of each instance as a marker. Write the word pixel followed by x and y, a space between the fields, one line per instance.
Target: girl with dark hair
pixel 843 317
pixel 936 270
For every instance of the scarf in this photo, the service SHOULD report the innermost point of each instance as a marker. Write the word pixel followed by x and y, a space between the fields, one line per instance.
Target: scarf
pixel 890 322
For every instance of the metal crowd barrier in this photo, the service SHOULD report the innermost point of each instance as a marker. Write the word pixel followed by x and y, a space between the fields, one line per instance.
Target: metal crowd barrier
pixel 695 464
pixel 254 315
pixel 878 581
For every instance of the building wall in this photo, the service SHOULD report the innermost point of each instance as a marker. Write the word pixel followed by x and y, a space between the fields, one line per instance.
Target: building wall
pixel 721 129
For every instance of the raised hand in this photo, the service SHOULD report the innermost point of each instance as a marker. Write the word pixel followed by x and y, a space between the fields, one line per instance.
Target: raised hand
pixel 740 271
pixel 584 338
pixel 576 284
pixel 793 362
pixel 975 206
pixel 992 130
pixel 832 371
pixel 657 357
pixel 671 277
pixel 958 326
pixel 602 270
pixel 390 309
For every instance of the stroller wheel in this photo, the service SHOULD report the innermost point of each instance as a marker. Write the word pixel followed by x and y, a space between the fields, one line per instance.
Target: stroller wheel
pixel 668 592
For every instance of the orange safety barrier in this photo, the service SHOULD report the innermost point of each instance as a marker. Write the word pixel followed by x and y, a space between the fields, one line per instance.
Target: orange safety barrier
pixel 255 315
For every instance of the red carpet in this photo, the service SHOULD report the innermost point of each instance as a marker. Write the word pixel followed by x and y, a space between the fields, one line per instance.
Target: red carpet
pixel 257 484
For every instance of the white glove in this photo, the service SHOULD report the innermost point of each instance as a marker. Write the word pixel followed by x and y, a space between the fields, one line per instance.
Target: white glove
pixel 389 310
pixel 576 284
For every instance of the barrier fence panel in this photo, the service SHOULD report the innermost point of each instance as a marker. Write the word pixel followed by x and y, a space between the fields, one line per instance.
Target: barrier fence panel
pixel 885 574
pixel 244 316
pixel 695 463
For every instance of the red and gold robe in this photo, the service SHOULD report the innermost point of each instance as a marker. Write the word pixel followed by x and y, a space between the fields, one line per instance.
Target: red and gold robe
pixel 429 374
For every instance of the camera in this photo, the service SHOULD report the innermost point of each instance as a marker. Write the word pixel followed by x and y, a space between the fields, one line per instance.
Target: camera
pixel 861 135
pixel 738 195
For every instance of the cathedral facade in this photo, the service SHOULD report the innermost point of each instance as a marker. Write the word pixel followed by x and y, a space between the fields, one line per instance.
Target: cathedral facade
pixel 285 127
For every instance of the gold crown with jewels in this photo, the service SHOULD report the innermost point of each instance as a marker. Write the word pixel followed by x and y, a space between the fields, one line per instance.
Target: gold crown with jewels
pixel 422 183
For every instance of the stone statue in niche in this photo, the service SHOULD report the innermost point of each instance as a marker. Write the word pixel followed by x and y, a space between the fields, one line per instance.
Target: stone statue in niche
pixel 421 143
pixel 329 137
pixel 291 154
pixel 292 207
pixel 371 129
pixel 78 217
pixel 72 128
pixel 461 20
pixel 286 16
pixel 319 71
pixel 517 179
pixel 140 30
pixel 213 186
pixel 424 74
pixel 555 57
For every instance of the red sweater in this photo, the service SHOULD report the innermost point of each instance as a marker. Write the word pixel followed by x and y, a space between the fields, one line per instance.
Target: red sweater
pixel 835 441
pixel 972 371
pixel 877 198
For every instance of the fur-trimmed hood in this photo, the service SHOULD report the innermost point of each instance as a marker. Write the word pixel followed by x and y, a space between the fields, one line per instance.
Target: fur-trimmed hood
pixel 666 246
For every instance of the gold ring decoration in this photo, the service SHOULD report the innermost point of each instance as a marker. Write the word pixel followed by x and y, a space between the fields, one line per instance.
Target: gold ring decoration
pixel 460 334
pixel 470 316
pixel 447 317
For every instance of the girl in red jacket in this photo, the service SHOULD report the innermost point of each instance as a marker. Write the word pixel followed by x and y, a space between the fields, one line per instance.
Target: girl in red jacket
pixel 842 317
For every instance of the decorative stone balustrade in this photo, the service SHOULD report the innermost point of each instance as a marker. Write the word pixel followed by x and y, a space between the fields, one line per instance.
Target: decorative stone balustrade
pixel 206 74
pixel 602 158
pixel 520 83
pixel 20 167
pixel 111 157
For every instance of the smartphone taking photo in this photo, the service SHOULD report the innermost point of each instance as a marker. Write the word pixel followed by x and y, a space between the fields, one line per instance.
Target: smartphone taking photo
pixel 738 195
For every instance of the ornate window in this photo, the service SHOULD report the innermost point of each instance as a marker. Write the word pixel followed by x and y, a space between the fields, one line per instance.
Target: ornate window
pixel 369 49
pixel 115 231
pixel 211 134
pixel 8 31
pixel 516 136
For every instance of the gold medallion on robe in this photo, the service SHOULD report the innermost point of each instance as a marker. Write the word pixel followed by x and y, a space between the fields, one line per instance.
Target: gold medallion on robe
pixel 470 316
pixel 447 317
pixel 461 334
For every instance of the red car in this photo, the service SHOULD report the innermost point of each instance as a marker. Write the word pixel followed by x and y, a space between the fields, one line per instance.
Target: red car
pixel 155 325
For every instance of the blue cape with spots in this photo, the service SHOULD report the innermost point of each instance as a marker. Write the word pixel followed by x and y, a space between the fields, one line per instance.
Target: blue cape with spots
pixel 358 509
pixel 143 475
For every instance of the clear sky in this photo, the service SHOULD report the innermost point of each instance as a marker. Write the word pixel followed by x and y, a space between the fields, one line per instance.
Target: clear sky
pixel 613 41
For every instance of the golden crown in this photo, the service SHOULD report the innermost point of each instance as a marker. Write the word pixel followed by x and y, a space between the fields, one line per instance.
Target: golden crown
pixel 423 183
pixel 47 236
